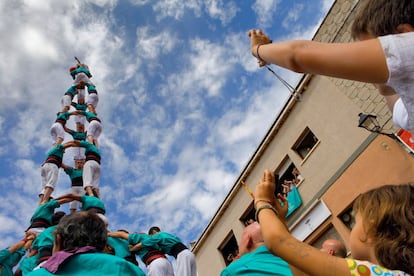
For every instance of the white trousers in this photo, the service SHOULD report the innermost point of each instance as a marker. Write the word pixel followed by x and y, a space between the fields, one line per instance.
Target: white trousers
pixel 186 264
pixel 49 173
pixel 160 267
pixel 91 174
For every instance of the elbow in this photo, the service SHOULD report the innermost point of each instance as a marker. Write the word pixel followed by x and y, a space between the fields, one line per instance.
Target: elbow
pixel 296 64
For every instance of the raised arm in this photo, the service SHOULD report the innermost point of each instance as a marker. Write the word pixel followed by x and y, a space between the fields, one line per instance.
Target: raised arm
pixel 68 198
pixel 64 166
pixel 281 243
pixel 73 143
pixel 119 234
pixel 26 242
pixel 360 61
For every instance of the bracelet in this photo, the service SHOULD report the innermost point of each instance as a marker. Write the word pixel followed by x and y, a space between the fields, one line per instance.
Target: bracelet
pixel 262 200
pixel 256 215
pixel 257 54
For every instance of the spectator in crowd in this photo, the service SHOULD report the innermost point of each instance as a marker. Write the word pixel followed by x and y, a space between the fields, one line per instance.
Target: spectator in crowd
pixel 255 258
pixel 334 248
pixel 380 240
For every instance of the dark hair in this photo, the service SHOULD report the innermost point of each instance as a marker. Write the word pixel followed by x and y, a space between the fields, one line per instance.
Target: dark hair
pixel 382 17
pixel 57 216
pixel 82 229
pixel 388 219
pixel 153 230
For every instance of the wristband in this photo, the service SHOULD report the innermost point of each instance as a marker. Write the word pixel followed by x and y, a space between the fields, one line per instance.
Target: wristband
pixel 257 54
pixel 256 215
pixel 262 200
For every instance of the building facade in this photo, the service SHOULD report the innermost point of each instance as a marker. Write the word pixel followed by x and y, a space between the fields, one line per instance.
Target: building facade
pixel 317 136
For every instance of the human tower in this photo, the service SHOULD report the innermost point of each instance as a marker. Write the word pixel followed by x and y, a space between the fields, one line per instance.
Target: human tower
pixel 79 102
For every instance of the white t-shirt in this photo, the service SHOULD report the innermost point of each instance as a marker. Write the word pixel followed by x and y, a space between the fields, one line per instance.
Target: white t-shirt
pixel 399 54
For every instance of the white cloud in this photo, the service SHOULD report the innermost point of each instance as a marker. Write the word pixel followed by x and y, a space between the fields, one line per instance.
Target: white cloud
pixel 265 10
pixel 222 10
pixel 216 9
pixel 206 72
pixel 293 15
pixel 151 45
pixel 176 8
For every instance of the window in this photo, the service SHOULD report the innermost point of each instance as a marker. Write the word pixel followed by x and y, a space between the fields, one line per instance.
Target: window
pixel 306 143
pixel 286 174
pixel 348 218
pixel 248 216
pixel 229 248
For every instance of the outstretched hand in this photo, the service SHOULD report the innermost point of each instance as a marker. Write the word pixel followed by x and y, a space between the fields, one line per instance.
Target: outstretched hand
pixel 257 38
pixel 265 191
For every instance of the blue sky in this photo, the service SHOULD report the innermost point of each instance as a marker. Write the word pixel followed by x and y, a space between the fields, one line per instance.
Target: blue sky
pixel 182 101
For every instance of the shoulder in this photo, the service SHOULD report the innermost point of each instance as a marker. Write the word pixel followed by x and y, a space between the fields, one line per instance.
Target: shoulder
pixel 106 264
pixel 40 271
pixel 4 253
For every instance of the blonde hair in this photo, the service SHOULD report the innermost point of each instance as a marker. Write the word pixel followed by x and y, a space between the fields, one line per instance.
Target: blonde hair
pixel 388 219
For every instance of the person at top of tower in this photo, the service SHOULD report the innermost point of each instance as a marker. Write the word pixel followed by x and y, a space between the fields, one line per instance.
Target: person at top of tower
pixel 81 77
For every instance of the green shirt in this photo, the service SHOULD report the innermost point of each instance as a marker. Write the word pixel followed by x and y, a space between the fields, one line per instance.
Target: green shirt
pixel 28 264
pixel 99 264
pixel 57 151
pixel 257 263
pixel 89 115
pixel 89 148
pixel 162 241
pixel 120 246
pixel 8 260
pixel 135 238
pixel 45 211
pixel 63 116
pixel 74 174
pixel 45 239
pixel 91 202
